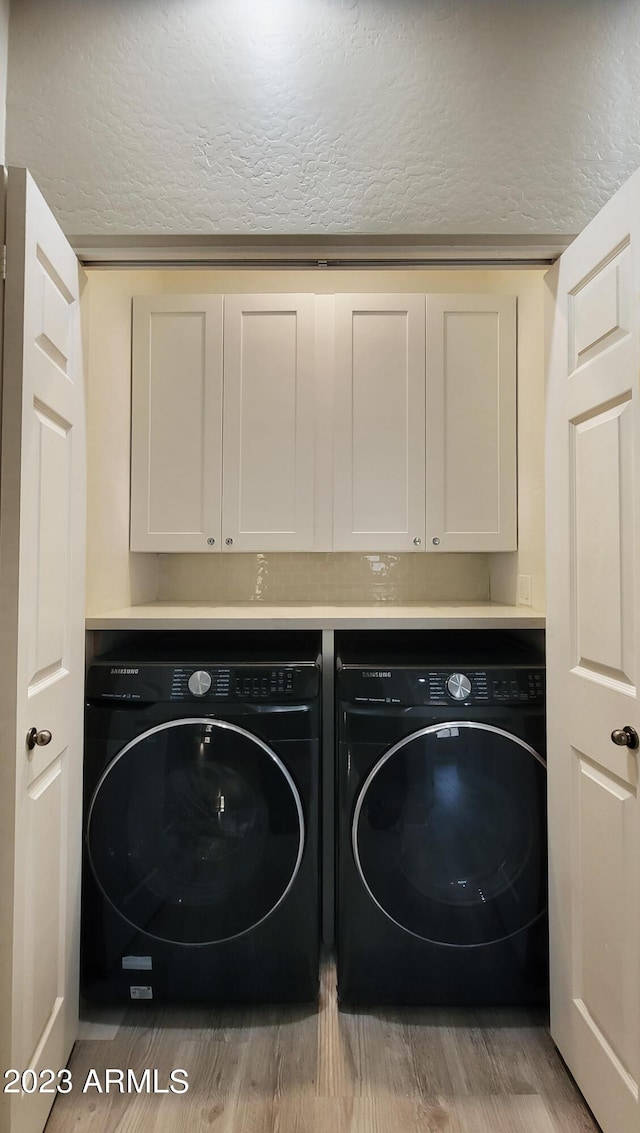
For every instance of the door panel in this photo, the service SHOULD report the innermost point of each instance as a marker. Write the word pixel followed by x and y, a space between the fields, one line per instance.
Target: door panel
pixel 471 422
pixel 379 423
pixel 269 428
pixel 593 519
pixel 600 309
pixel 45 807
pixel 42 525
pixel 606 870
pixel 602 502
pixel 176 428
pixel 52 460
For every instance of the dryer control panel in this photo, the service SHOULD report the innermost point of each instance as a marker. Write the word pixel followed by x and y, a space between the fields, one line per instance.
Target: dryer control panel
pixel 454 686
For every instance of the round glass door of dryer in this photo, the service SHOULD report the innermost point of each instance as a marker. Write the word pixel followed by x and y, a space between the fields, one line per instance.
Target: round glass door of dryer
pixel 195 831
pixel 449 834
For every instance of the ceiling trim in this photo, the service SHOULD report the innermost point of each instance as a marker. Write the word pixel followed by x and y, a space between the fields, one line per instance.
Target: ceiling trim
pixel 318 252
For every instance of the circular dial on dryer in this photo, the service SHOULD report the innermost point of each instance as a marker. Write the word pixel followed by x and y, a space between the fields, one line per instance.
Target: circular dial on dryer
pixel 199 683
pixel 459 686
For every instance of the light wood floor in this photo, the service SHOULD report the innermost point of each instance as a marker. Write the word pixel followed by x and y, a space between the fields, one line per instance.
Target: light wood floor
pixel 296 1070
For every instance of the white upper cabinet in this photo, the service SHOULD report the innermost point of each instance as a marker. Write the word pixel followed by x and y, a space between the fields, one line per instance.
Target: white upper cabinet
pixel 379 423
pixel 471 423
pixel 198 484
pixel 438 427
pixel 232 442
pixel 176 433
pixel 268 428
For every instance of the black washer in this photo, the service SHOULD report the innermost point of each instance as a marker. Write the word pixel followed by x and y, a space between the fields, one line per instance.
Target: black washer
pixel 441 894
pixel 201 876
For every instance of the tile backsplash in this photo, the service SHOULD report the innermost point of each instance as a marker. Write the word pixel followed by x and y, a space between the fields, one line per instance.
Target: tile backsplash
pixel 323 578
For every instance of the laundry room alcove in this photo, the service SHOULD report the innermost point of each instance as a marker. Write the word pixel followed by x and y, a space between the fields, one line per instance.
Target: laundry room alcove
pixel 141 600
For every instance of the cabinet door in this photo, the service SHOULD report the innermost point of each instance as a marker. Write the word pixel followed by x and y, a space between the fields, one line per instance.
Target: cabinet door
pixel 269 403
pixel 471 423
pixel 176 443
pixel 379 423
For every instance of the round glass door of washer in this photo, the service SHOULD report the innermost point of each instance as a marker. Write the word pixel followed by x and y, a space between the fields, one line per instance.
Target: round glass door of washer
pixel 449 834
pixel 195 831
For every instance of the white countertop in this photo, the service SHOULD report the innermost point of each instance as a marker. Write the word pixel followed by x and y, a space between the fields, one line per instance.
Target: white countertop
pixel 436 615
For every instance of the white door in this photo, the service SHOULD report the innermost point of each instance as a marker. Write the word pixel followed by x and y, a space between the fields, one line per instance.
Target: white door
pixel 471 423
pixel 42 534
pixel 269 430
pixel 379 433
pixel 593 532
pixel 176 423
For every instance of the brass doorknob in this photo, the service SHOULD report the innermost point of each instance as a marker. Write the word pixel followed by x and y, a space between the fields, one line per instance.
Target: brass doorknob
pixel 41 738
pixel 625 737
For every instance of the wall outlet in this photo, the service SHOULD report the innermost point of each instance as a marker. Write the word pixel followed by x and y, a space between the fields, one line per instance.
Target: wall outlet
pixel 524 589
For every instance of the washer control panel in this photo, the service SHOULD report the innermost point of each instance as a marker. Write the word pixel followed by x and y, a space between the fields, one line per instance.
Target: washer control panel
pixel 462 687
pixel 445 686
pixel 259 682
pixel 203 682
pixel 188 682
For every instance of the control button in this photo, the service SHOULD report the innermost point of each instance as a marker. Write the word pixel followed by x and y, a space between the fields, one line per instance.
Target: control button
pixel 199 683
pixel 459 686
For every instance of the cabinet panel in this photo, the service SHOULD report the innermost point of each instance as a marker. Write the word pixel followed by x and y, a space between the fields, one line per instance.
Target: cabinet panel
pixel 379 423
pixel 471 422
pixel 269 431
pixel 176 443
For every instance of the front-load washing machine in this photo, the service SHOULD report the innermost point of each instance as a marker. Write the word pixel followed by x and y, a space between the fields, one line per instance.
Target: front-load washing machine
pixel 441 787
pixel 201 877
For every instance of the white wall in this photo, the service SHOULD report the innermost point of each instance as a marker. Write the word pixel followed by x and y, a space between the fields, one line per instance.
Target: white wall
pixel 325 116
pixel 4 46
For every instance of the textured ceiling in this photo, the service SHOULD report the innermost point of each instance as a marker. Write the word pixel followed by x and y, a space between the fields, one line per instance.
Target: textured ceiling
pixel 324 116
